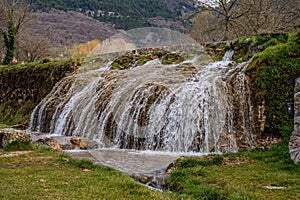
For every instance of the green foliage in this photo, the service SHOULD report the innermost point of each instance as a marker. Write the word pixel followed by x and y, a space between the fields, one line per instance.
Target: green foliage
pixel 269 71
pixel 10 41
pixel 192 162
pixel 19 146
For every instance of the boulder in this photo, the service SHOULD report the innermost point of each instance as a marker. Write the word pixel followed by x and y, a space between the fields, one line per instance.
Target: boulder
pixel 294 147
pixel 48 142
pixel 66 143
pixel 9 135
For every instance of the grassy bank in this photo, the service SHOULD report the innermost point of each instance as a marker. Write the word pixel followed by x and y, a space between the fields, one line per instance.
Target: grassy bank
pixel 244 175
pixel 47 174
pixel 23 86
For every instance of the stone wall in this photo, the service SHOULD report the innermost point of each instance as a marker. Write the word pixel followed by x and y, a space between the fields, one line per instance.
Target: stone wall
pixel 9 135
pixel 294 144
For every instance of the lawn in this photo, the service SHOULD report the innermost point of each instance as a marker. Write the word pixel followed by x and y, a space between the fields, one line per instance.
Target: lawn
pixel 47 174
pixel 245 175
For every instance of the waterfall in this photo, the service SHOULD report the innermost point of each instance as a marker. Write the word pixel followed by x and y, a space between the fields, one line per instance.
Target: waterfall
pixel 185 107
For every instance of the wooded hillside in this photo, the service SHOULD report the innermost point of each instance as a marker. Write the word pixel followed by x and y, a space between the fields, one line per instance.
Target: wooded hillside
pixel 125 14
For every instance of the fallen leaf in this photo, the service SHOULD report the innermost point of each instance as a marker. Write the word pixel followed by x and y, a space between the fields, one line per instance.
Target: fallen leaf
pixel 42 181
pixel 86 170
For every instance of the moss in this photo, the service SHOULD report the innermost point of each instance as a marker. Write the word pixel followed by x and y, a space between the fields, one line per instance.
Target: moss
pixel 269 71
pixel 23 86
pixel 141 56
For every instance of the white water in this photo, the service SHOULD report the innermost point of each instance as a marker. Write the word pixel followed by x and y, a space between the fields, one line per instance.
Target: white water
pixel 193 112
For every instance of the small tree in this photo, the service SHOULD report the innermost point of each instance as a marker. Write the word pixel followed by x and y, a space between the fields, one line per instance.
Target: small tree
pixel 82 50
pixel 32 47
pixel 15 16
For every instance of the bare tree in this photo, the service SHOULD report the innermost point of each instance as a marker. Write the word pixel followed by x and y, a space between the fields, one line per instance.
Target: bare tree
pixel 242 17
pixel 206 27
pixel 32 47
pixel 228 12
pixel 273 16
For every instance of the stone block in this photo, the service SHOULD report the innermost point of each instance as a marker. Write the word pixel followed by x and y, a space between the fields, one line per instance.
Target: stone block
pixel 294 146
pixel 9 135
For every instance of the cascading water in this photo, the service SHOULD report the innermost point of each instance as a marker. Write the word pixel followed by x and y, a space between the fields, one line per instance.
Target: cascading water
pixel 185 107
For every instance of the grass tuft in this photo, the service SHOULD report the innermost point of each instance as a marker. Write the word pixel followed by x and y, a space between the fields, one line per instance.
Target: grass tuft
pixel 19 146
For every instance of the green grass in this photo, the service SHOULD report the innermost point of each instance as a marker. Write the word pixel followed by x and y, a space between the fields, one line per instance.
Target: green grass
pixel 19 146
pixel 243 175
pixel 48 174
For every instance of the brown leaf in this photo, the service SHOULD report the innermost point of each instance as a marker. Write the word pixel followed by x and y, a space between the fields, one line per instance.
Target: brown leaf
pixel 42 181
pixel 86 170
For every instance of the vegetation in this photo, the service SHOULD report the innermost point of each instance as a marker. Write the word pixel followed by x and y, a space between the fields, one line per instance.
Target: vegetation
pixel 244 175
pixel 14 16
pixel 48 174
pixel 124 14
pixel 141 56
pixel 269 71
pixel 24 86
pixel 18 42
pixel 19 146
pixel 83 50
pixel 275 58
pixel 221 19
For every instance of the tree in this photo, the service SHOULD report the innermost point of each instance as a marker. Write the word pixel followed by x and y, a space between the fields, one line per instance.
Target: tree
pixel 32 47
pixel 82 50
pixel 241 17
pixel 229 11
pixel 206 27
pixel 14 15
pixel 273 16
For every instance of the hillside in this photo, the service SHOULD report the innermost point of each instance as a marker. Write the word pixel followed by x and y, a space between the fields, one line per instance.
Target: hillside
pixel 64 29
pixel 126 14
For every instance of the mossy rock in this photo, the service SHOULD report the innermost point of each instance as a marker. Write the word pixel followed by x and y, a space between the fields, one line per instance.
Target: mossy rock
pixel 268 72
pixel 141 56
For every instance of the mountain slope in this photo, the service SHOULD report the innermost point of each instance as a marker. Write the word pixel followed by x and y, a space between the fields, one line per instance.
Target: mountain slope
pixel 64 29
pixel 125 14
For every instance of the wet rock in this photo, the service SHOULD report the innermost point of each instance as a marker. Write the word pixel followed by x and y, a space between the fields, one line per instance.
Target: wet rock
pixel 294 147
pixel 83 143
pixel 48 142
pixel 158 181
pixel 9 135
pixel 67 143
pixel 265 144
pixel 141 56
